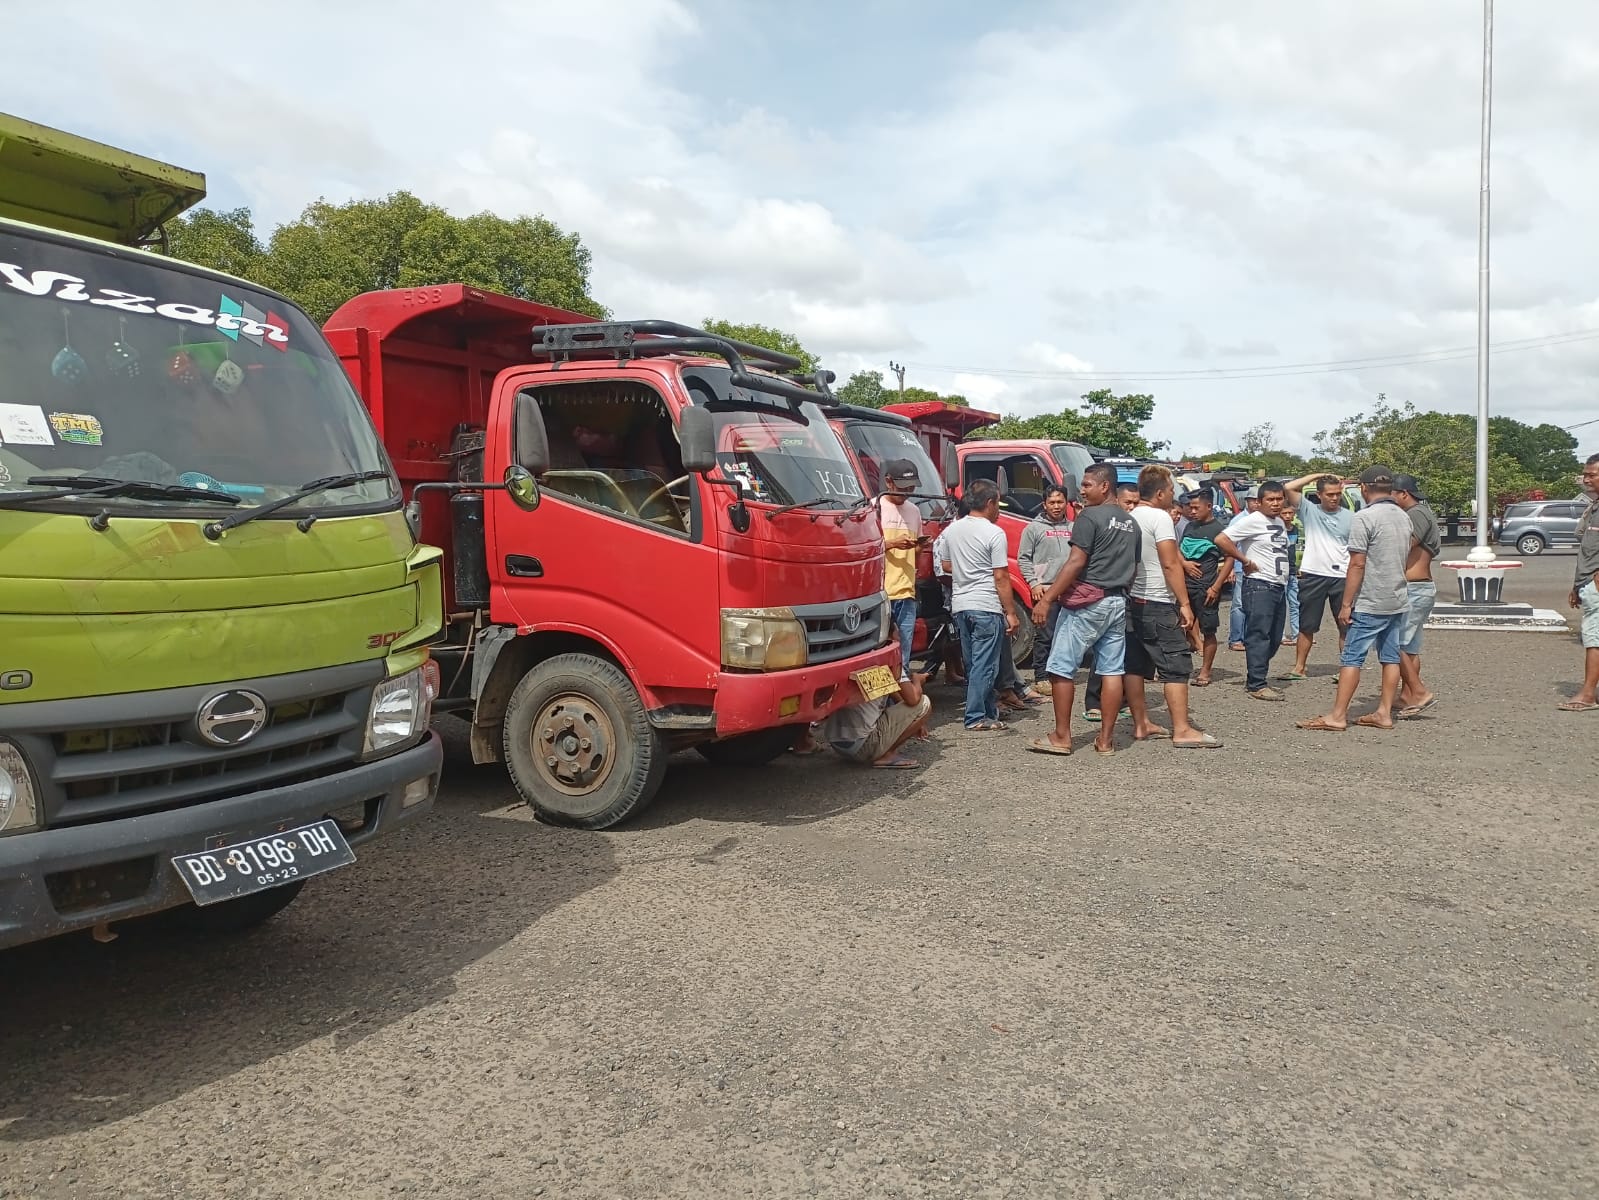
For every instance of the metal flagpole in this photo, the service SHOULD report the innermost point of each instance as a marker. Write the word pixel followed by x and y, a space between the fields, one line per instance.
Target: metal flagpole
pixel 1483 551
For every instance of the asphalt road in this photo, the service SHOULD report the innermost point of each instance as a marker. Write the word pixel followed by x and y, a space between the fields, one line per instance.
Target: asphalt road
pixel 1307 965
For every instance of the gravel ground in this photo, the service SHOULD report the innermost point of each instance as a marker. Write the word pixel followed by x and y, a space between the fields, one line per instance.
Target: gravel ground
pixel 1308 965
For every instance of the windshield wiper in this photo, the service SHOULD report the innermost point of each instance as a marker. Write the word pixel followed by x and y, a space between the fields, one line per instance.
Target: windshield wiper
pixel 773 514
pixel 233 520
pixel 105 486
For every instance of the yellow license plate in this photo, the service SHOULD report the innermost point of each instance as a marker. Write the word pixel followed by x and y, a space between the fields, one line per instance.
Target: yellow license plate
pixel 876 682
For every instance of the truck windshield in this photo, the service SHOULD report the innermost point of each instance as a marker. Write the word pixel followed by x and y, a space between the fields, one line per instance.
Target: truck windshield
pixel 1072 459
pixel 120 367
pixel 876 444
pixel 780 454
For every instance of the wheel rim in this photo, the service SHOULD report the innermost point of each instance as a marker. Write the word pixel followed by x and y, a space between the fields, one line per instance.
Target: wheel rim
pixel 574 745
pixel 1530 545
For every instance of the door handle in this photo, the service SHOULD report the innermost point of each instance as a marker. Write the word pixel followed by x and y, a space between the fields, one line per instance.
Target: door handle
pixel 523 566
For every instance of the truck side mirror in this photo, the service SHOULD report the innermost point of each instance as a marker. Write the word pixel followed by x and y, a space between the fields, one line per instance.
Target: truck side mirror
pixel 522 488
pixel 696 433
pixel 532 442
pixel 1069 482
pixel 952 466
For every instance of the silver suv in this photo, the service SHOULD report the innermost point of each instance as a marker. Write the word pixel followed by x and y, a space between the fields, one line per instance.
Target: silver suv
pixel 1532 526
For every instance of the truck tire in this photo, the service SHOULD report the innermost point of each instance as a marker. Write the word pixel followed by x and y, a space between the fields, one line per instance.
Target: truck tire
pixel 579 745
pixel 1021 642
pixel 750 749
pixel 236 916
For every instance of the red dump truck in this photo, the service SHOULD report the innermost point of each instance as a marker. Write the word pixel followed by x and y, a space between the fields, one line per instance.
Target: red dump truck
pixel 654 539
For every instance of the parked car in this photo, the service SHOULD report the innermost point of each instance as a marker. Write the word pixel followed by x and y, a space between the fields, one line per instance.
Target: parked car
pixel 1532 526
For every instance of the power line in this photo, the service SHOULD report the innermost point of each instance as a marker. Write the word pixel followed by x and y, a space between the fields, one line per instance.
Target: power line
pixel 1274 370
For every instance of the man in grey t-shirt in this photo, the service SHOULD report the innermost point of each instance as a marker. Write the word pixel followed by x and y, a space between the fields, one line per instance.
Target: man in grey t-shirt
pixel 1375 601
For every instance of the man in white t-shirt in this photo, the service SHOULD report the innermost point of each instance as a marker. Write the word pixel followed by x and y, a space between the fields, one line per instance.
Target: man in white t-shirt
pixel 978 561
pixel 1258 541
pixel 1159 619
pixel 1325 565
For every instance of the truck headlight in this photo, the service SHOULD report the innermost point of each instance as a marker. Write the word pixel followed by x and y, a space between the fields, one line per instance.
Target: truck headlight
pixel 19 805
pixel 885 622
pixel 762 639
pixel 401 709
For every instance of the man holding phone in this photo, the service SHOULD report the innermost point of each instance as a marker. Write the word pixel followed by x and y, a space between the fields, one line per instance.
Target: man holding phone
pixel 902 535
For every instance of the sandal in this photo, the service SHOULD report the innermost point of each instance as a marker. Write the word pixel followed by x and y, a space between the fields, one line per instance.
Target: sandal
pixel 898 763
pixel 988 727
pixel 1207 741
pixel 1202 682
pixel 1044 746
pixel 1319 725
pixel 1576 706
pixel 1370 721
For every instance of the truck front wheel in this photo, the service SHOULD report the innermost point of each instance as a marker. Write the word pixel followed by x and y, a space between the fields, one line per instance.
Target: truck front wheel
pixel 750 749
pixel 579 745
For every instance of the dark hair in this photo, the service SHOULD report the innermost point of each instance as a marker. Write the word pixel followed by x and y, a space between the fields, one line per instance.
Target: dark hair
pixel 1055 489
pixel 1103 472
pixel 1329 481
pixel 1592 459
pixel 1125 485
pixel 979 495
pixel 1271 487
pixel 1151 480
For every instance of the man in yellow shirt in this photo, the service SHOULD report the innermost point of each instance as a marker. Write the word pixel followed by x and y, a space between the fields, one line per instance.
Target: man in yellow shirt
pixel 902 535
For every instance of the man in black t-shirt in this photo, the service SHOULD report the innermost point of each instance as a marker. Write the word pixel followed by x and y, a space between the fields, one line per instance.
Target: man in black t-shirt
pixel 1208 572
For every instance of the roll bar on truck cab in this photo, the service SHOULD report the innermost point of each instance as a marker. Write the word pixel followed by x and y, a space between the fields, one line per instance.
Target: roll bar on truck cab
pixel 214 678
pixel 653 537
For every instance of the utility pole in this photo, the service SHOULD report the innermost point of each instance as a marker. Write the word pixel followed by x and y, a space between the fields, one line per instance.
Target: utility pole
pixel 899 373
pixel 1483 551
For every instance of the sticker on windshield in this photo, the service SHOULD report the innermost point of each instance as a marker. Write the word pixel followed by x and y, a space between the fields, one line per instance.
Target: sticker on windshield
pixel 76 429
pixel 24 425
pixel 230 317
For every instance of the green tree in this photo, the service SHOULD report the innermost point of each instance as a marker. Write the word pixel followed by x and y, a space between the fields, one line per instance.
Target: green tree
pixel 223 241
pixel 1103 419
pixel 917 395
pixel 1547 453
pixel 866 388
pixel 332 252
pixel 761 335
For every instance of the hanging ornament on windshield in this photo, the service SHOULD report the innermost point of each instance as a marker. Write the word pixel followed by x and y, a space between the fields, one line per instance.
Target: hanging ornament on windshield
pixel 180 367
pixel 228 377
pixel 122 359
pixel 68 365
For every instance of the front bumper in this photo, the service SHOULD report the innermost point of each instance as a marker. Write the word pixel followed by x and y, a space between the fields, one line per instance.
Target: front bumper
pixel 126 849
pixel 747 702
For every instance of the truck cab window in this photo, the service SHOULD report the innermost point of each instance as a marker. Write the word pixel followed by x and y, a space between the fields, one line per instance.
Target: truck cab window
pixel 1021 480
pixel 613 445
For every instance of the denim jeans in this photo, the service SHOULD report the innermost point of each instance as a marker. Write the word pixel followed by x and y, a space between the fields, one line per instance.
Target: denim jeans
pixel 1293 608
pixel 982 640
pixel 903 614
pixel 1266 605
pixel 1235 613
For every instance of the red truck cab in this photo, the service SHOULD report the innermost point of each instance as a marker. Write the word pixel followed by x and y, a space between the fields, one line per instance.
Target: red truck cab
pixel 674 558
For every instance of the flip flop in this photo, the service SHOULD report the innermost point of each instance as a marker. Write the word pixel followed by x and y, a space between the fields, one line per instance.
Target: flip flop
pixel 1203 682
pixel 898 763
pixel 1576 706
pixel 1415 710
pixel 1092 714
pixel 1206 742
pixel 988 727
pixel 1318 724
pixel 1098 749
pixel 1044 746
pixel 1293 676
pixel 1370 722
pixel 1153 736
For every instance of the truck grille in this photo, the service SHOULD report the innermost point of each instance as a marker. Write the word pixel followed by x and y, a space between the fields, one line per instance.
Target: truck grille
pixel 101 758
pixel 829 635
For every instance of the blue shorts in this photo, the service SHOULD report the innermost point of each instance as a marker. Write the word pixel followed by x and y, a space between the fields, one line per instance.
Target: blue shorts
pixel 1372 629
pixel 1101 627
pixel 1421 596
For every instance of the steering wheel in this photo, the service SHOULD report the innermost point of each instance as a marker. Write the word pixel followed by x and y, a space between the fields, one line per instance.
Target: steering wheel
pixel 665 490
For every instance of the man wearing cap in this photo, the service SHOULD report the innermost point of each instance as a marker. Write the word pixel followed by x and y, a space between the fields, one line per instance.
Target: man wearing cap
pixel 902 535
pixel 1375 602
pixel 1585 591
pixel 1326 563
pixel 1421 593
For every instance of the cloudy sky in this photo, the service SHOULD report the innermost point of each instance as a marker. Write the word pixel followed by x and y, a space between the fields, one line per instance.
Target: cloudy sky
pixel 1020 200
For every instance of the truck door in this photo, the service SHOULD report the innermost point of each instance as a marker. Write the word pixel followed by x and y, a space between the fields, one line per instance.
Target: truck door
pixel 617 550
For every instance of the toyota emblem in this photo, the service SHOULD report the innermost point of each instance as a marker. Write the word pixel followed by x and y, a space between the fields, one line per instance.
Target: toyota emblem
pixel 231 719
pixel 852 618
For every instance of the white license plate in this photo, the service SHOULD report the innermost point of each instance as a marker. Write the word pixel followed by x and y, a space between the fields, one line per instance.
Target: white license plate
pixel 255 864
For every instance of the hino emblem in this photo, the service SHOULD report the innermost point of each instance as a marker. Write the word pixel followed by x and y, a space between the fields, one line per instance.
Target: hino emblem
pixel 231 719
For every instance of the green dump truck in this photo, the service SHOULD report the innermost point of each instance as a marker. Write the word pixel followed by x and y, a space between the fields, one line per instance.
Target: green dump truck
pixel 214 618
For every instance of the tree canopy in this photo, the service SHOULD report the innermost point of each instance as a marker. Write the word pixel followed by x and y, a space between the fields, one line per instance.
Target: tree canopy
pixel 332 252
pixel 868 389
pixel 1102 419
pixel 761 335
